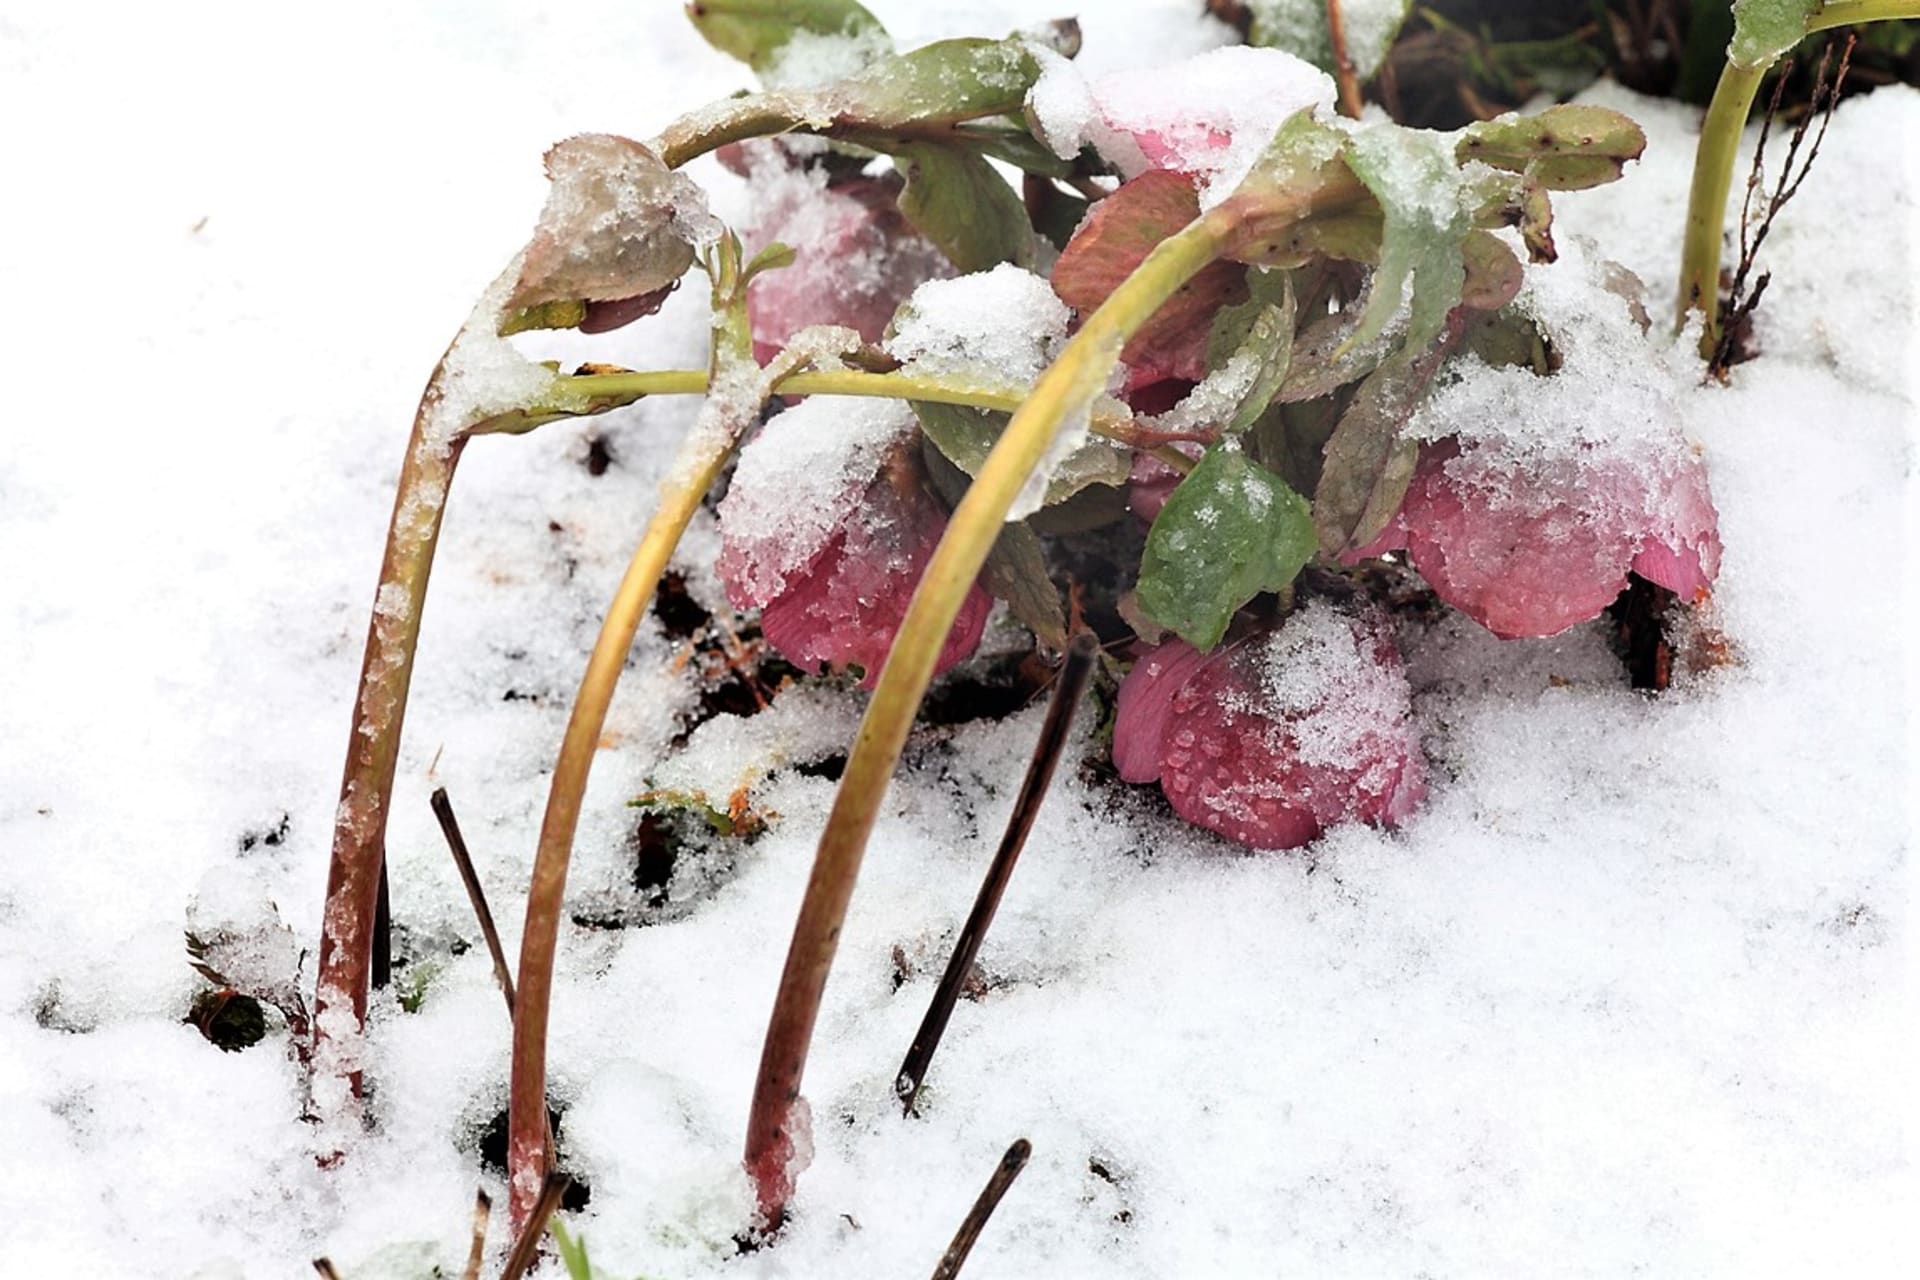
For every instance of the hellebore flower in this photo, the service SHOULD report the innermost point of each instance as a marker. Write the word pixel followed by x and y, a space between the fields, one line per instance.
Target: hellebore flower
pixel 856 259
pixel 826 530
pixel 1530 549
pixel 1274 737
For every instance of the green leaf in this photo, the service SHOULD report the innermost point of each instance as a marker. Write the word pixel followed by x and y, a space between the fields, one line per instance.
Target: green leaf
pixel 965 435
pixel 955 199
pixel 1253 342
pixel 942 83
pixel 1564 148
pixel 771 258
pixel 755 31
pixel 1016 571
pixel 1231 530
pixel 1765 29
pixel 1429 211
pixel 1367 464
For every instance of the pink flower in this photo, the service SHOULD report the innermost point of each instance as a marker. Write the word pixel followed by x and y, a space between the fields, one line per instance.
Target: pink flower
pixel 1530 549
pixel 1207 115
pixel 830 547
pixel 856 259
pixel 1273 738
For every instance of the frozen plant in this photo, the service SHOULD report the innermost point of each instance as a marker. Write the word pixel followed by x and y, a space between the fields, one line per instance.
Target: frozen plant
pixel 1288 341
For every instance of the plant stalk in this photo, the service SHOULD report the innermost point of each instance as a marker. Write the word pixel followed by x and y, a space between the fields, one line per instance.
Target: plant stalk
pixel 1718 151
pixel 703 457
pixel 1068 387
pixel 360 825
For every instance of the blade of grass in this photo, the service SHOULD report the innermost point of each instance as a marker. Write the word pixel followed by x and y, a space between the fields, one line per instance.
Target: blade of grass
pixel 1067 688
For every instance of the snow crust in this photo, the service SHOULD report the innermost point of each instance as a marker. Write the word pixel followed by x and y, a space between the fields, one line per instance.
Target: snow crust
pixel 1632 995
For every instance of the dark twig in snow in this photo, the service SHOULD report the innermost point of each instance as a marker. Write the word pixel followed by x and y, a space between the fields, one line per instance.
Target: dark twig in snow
pixel 326 1268
pixel 457 845
pixel 482 1210
pixel 1010 1166
pixel 528 1244
pixel 1758 208
pixel 1072 681
pixel 380 966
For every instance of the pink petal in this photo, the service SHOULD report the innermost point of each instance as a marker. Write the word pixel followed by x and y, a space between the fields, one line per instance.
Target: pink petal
pixel 856 261
pixel 1145 698
pixel 846 607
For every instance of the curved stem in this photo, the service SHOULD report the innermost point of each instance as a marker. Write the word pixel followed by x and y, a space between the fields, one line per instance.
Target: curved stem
pixel 373 752
pixel 1714 159
pixel 703 455
pixel 1067 389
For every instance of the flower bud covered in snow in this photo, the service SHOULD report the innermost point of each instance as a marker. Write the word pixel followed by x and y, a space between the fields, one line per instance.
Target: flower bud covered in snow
pixel 1534 495
pixel 1272 738
pixel 1531 552
pixel 826 530
pixel 855 257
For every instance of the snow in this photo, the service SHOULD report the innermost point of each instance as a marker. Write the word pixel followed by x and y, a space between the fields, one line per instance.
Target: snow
pixel 1002 327
pixel 1632 993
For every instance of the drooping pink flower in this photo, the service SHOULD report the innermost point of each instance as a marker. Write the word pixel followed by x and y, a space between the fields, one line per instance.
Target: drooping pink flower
pixel 828 535
pixel 1207 115
pixel 856 257
pixel 1273 738
pixel 1530 549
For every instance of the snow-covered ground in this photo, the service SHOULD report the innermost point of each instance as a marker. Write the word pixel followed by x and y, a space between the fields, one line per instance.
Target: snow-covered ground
pixel 1631 996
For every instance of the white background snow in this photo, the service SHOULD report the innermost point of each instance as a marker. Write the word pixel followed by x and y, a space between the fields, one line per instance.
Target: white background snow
pixel 1633 995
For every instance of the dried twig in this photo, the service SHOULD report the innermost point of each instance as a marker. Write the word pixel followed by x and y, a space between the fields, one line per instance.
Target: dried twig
pixel 326 1269
pixel 1759 207
pixel 457 845
pixel 482 1210
pixel 1010 1166
pixel 1072 681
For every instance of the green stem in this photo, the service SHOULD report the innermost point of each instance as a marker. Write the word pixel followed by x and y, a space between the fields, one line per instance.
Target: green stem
pixel 1713 163
pixel 1717 152
pixel 703 457
pixel 1067 388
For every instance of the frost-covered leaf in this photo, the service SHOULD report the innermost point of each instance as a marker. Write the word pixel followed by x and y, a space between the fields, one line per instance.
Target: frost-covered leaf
pixel 1429 211
pixel 618 224
pixel 1300 27
pixel 966 435
pixel 756 31
pixel 1255 341
pixel 1765 29
pixel 940 83
pixel 1564 148
pixel 1116 237
pixel 1231 530
pixel 955 199
pixel 1368 463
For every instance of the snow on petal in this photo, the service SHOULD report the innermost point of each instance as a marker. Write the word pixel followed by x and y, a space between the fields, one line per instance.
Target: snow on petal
pixel 797 484
pixel 856 258
pixel 844 607
pixel 1209 116
pixel 1270 740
